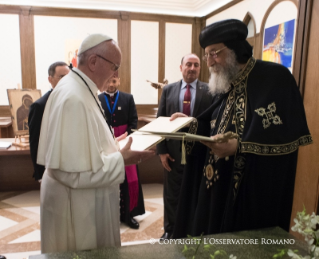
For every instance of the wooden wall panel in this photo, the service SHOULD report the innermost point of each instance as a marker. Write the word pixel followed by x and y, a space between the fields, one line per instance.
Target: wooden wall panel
pixel 198 25
pixel 27 49
pixel 258 46
pixel 146 109
pixel 5 111
pixel 161 55
pixel 124 40
pixel 301 43
pixel 307 178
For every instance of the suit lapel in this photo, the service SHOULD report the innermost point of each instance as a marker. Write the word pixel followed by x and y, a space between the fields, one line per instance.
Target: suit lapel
pixel 199 94
pixel 176 92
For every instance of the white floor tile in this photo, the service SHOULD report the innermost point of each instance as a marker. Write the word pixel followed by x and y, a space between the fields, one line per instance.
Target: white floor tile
pixel 28 199
pixel 123 228
pixel 30 237
pixel 33 209
pixel 6 223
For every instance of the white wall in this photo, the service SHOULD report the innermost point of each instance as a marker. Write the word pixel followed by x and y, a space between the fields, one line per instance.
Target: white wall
pixel 54 34
pixel 10 56
pixel 178 43
pixel 144 61
pixel 282 12
pixel 251 29
pixel 257 8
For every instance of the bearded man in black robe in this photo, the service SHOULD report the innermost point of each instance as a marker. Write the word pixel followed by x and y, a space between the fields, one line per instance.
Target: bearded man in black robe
pixel 247 182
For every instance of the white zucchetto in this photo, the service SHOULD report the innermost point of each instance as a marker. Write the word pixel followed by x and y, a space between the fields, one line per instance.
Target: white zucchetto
pixel 92 41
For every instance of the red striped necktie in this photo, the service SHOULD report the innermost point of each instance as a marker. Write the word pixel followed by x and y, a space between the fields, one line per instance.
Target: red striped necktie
pixel 187 101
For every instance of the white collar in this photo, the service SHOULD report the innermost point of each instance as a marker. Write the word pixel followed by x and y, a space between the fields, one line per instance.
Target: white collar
pixel 111 94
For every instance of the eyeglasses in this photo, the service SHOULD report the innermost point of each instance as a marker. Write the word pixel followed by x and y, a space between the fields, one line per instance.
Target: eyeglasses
pixel 115 67
pixel 212 54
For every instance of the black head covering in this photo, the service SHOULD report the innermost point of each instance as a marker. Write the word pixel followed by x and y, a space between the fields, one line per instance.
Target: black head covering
pixel 232 33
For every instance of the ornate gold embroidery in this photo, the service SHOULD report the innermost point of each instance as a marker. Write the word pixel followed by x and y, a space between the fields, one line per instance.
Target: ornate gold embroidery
pixel 283 149
pixel 238 97
pixel 210 174
pixel 212 124
pixel 192 130
pixel 240 108
pixel 240 118
pixel 270 116
pixel 227 113
pixel 245 72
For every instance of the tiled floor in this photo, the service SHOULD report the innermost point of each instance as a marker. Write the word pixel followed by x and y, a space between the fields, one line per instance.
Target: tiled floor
pixel 20 222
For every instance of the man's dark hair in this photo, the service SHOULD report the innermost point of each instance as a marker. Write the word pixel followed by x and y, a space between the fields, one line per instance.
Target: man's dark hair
pixel 51 69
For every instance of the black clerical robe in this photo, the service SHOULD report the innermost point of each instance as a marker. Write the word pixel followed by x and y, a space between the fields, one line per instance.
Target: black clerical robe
pixel 254 188
pixel 122 116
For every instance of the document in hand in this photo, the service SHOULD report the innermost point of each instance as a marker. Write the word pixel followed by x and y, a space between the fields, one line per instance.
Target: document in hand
pixel 191 137
pixel 142 141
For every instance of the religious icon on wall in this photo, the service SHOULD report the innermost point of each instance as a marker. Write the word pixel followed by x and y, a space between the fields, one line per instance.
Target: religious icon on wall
pixel 71 51
pixel 20 102
pixel 279 43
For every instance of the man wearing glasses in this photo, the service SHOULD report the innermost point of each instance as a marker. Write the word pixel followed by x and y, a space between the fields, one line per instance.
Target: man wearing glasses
pixel 56 71
pixel 247 182
pixel 84 165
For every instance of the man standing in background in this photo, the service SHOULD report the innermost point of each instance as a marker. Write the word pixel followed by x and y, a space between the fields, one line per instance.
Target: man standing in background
pixel 56 71
pixel 121 116
pixel 189 96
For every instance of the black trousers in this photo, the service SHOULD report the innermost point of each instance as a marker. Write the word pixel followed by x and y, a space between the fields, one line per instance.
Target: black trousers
pixel 171 192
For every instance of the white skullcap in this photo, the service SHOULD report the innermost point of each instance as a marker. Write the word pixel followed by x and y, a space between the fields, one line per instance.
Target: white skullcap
pixel 92 41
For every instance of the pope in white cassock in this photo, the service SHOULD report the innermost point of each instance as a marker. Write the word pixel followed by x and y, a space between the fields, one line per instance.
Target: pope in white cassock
pixel 84 166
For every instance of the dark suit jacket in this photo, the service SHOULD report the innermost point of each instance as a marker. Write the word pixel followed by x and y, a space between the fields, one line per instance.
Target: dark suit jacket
pixel 34 122
pixel 169 104
pixel 125 112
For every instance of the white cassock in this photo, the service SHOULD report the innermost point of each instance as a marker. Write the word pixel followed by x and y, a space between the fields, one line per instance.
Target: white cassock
pixel 80 187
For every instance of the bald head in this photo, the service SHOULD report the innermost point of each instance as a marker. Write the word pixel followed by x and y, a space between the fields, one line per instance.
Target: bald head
pixel 190 67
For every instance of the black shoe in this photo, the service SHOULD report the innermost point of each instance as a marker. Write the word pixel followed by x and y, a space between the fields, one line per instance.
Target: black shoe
pixel 2 257
pixel 132 223
pixel 165 236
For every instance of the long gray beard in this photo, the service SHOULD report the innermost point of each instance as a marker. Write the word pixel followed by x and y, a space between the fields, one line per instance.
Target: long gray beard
pixel 221 78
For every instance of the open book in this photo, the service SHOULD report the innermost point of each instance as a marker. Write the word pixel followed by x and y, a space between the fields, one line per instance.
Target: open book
pixel 142 141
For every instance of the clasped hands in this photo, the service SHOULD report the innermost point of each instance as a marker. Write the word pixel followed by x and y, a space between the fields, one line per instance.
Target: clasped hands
pixel 133 157
pixel 224 146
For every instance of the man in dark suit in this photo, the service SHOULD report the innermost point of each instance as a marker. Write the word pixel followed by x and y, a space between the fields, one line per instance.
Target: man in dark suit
pixel 191 97
pixel 121 116
pixel 56 71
